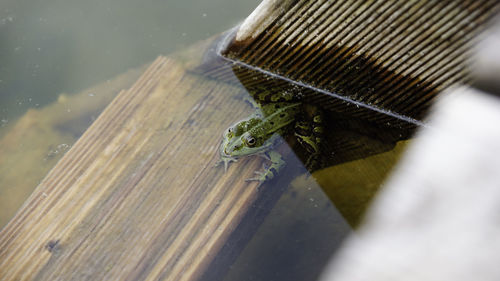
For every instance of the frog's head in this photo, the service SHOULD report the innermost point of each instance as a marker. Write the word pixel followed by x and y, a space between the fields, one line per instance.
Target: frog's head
pixel 242 139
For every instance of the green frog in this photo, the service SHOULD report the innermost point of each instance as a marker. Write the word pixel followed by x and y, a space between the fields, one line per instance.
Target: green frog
pixel 276 116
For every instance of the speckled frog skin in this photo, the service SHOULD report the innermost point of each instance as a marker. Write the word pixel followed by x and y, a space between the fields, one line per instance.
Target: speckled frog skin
pixel 276 115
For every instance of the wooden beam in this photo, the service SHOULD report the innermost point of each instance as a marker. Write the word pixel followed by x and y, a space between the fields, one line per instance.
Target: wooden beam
pixel 138 196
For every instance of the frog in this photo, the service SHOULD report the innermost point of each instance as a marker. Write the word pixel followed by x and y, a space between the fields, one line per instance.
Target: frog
pixel 276 117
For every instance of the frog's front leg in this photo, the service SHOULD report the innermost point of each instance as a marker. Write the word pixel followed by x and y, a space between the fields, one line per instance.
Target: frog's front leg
pixel 268 173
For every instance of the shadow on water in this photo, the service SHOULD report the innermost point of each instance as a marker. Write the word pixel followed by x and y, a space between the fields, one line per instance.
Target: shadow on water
pixel 312 214
pixel 314 210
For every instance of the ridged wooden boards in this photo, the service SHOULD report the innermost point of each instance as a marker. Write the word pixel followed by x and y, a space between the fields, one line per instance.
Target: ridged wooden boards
pixel 392 56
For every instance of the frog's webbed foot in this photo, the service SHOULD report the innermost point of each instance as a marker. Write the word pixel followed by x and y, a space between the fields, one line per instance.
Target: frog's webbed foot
pixel 226 161
pixel 268 173
pixel 313 162
pixel 310 136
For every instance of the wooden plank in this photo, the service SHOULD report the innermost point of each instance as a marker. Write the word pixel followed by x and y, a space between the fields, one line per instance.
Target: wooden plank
pixel 32 145
pixel 394 56
pixel 138 196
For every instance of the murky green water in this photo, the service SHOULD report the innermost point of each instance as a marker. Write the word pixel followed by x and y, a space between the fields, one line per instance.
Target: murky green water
pixel 53 47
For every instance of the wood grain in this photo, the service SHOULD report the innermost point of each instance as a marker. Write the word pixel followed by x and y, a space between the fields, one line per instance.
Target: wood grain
pixel 396 56
pixel 31 146
pixel 138 196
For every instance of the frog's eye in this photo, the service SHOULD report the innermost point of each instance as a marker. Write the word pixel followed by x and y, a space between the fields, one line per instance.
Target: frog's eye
pixel 251 141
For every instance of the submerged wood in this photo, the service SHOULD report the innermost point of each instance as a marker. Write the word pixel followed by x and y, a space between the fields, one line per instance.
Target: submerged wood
pixel 138 196
pixel 32 145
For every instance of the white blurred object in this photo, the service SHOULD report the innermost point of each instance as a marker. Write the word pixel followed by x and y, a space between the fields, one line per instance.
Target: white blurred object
pixel 486 63
pixel 438 218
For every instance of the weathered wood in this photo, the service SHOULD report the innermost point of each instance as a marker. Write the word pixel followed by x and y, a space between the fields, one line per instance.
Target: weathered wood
pixel 436 218
pixel 394 56
pixel 32 145
pixel 138 196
